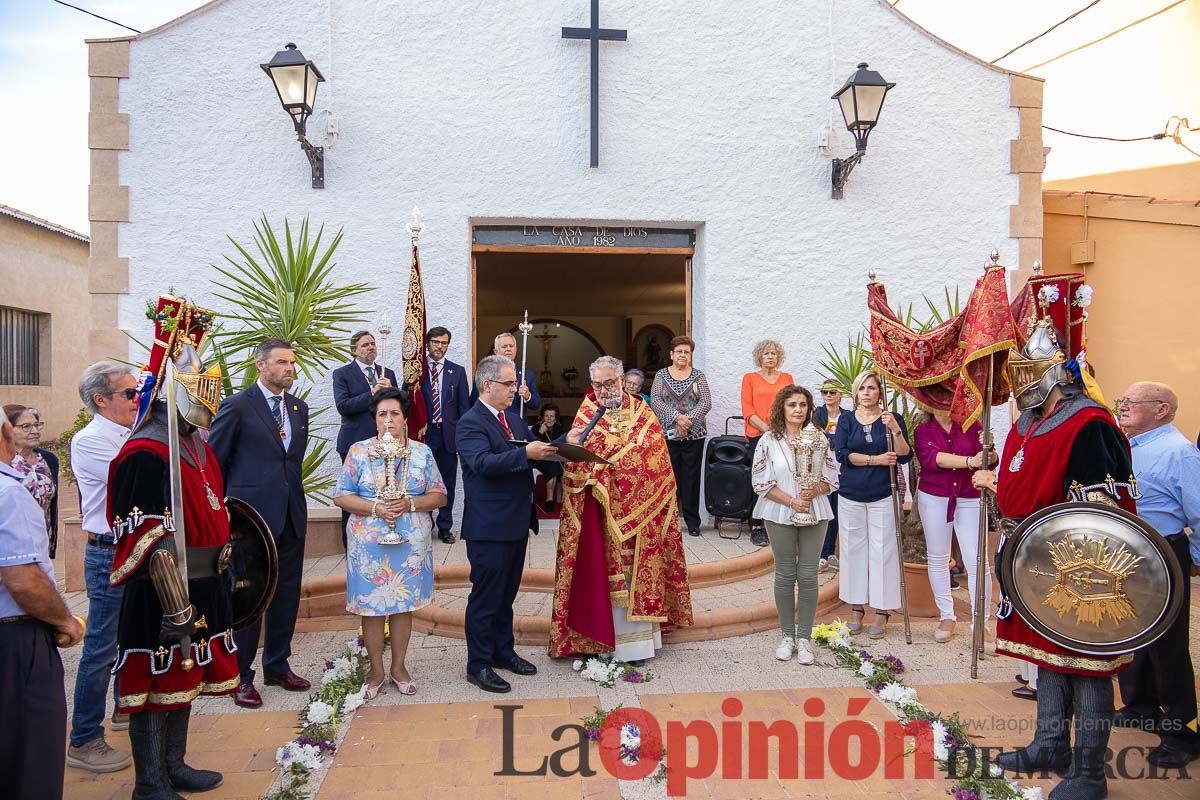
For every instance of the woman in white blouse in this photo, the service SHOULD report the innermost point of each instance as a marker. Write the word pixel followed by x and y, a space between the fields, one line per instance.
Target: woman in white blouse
pixel 794 472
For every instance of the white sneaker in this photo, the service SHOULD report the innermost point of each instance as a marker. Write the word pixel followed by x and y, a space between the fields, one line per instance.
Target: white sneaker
pixel 804 653
pixel 785 649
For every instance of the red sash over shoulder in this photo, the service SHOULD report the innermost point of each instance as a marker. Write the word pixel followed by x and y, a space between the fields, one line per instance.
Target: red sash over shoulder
pixel 1042 481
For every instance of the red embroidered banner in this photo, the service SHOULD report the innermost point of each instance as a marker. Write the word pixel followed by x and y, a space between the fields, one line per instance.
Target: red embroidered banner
pixel 412 349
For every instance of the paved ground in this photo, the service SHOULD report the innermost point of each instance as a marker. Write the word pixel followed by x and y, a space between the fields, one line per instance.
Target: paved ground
pixel 446 741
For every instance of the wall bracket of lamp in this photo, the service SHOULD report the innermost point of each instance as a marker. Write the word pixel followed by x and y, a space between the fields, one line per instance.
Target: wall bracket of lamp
pixel 860 99
pixel 296 79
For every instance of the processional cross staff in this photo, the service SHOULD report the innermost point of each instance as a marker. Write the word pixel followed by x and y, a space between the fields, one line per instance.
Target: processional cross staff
pixel 525 327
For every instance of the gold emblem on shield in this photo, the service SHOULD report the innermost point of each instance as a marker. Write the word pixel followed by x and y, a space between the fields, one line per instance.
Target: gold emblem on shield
pixel 1089 580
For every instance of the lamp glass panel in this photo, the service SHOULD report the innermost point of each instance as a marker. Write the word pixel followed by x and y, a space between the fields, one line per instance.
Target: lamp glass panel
pixel 290 83
pixel 846 101
pixel 870 100
pixel 310 86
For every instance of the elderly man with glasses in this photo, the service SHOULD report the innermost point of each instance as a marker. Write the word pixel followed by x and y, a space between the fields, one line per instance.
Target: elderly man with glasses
pixel 108 391
pixel 1158 689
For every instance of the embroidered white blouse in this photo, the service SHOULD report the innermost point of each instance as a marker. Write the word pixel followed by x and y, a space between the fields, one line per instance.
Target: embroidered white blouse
pixel 775 465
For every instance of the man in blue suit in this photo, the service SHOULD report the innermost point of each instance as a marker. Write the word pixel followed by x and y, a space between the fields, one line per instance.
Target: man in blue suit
pixel 259 437
pixel 354 385
pixel 497 518
pixel 446 400
pixel 506 345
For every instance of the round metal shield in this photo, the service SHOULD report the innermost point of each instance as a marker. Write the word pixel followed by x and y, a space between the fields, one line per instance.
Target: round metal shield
pixel 253 565
pixel 1092 578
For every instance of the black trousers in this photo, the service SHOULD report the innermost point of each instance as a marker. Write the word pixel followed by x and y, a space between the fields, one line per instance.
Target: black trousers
pixel 831 531
pixel 496 569
pixel 447 464
pixel 33 707
pixel 687 457
pixel 281 613
pixel 1161 675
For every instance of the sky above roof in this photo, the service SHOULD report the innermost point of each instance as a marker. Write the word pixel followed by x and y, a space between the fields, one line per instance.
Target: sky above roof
pixel 1126 86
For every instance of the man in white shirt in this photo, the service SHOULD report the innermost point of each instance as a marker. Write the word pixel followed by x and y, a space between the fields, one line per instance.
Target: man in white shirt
pixel 108 392
pixel 33 703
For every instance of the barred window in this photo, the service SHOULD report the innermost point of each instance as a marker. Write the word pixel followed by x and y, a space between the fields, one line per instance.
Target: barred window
pixel 20 347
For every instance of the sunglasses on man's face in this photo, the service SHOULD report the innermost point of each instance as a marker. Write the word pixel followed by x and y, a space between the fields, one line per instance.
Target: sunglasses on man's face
pixel 128 394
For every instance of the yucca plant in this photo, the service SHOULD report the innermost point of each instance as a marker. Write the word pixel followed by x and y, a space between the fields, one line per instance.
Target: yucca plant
pixel 286 291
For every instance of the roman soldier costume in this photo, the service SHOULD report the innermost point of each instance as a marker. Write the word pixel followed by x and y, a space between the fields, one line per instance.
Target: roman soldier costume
pixel 175 639
pixel 1065 448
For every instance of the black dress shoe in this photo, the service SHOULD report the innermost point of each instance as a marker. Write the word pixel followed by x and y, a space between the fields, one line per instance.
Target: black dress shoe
pixel 1130 718
pixel 516 665
pixel 758 537
pixel 693 531
pixel 1172 756
pixel 489 681
pixel 446 536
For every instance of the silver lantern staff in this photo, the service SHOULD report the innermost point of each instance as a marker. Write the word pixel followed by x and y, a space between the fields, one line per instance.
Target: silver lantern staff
pixel 385 330
pixel 525 328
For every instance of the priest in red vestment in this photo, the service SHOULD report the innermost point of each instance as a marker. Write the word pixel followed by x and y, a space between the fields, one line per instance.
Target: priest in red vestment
pixel 620 577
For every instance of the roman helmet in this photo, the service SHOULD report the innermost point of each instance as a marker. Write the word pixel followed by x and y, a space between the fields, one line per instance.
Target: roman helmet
pixel 179 331
pixel 1050 312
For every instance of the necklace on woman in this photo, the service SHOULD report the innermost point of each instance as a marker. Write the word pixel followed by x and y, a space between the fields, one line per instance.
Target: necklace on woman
pixel 213 501
pixel 866 427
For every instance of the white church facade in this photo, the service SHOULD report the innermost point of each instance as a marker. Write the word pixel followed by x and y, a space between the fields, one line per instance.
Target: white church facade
pixel 709 212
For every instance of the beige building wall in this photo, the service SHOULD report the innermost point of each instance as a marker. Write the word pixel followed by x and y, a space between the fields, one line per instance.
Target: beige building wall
pixel 1146 276
pixel 44 269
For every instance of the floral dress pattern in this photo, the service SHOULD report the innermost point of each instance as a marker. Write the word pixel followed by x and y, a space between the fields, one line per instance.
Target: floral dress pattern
pixel 385 579
pixel 40 483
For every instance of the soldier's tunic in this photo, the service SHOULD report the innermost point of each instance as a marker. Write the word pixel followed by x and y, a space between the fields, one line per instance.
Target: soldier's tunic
pixel 1077 443
pixel 149 671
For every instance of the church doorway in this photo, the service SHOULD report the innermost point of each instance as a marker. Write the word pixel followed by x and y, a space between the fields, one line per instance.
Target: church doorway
pixel 583 301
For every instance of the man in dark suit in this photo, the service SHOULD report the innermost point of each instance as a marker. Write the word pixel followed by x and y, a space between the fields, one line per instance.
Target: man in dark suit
pixel 447 398
pixel 506 345
pixel 259 436
pixel 497 518
pixel 354 385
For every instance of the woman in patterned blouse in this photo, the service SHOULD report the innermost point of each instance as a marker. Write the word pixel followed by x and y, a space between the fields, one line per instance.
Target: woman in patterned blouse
pixel 40 467
pixel 681 400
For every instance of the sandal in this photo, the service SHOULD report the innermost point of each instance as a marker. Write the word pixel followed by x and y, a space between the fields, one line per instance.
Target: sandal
pixel 855 625
pixel 371 692
pixel 877 631
pixel 405 687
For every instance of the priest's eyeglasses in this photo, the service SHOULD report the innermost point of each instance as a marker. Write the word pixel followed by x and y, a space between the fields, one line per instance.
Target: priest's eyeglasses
pixel 1125 401
pixel 609 384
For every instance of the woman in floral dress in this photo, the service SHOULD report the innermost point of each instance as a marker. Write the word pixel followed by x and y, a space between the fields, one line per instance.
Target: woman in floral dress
pixel 389 581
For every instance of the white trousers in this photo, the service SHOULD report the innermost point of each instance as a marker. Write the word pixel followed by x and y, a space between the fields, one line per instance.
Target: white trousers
pixel 636 641
pixel 965 528
pixel 1029 672
pixel 870 564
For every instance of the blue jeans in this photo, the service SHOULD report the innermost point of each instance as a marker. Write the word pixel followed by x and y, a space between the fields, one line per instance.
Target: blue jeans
pixel 99 647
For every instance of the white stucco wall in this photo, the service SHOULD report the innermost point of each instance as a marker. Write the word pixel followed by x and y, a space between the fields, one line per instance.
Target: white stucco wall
pixel 478 113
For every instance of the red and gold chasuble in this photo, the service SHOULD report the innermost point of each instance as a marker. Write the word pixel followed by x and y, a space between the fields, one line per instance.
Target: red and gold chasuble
pixel 619 542
pixel 1041 480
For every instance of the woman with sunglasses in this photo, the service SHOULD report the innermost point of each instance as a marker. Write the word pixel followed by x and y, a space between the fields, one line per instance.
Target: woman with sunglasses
pixel 870 561
pixel 39 466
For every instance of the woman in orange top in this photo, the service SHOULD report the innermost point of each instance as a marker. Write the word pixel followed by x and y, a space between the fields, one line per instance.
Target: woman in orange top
pixel 758 393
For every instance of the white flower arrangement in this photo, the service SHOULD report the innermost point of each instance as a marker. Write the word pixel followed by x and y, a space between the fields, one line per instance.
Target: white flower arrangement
pixel 577 665
pixel 606 671
pixel 1083 296
pixel 631 743
pixel 353 701
pixel 898 695
pixel 867 670
pixel 305 756
pixel 1031 793
pixel 1048 294
pixel 940 749
pixel 319 712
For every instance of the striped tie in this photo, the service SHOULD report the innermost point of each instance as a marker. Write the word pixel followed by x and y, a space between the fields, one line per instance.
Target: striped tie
pixel 435 383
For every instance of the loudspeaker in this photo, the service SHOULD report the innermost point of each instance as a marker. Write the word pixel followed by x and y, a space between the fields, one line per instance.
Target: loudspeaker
pixel 727 488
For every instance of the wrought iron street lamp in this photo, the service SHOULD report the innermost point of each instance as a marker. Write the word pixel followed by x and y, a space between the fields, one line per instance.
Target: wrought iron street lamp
pixel 296 80
pixel 860 99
